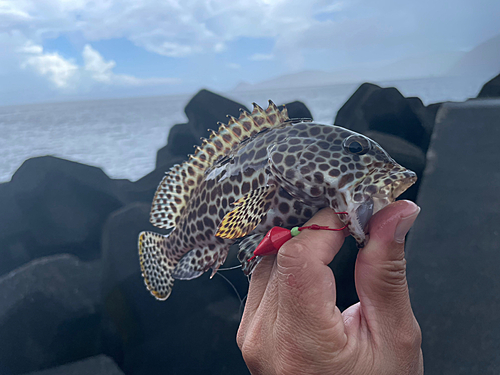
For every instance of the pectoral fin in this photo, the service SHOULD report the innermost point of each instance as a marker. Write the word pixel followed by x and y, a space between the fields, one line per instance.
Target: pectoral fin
pixel 249 212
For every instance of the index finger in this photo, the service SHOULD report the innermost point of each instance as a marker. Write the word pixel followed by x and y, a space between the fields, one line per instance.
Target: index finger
pixel 306 284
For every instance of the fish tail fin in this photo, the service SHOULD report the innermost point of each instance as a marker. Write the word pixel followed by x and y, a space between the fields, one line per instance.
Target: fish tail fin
pixel 156 266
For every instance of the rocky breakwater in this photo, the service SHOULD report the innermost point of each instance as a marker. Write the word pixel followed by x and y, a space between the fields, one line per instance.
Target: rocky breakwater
pixel 72 298
pixel 71 289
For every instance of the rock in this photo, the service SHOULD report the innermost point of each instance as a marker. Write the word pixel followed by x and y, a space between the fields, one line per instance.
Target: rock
pixel 181 141
pixel 206 108
pixel 120 257
pixel 297 110
pixel 453 250
pixel 491 89
pixel 54 206
pixel 194 331
pixel 385 110
pixel 98 365
pixel 49 314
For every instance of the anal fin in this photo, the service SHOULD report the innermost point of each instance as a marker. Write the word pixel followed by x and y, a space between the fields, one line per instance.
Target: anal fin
pixel 198 261
pixel 249 212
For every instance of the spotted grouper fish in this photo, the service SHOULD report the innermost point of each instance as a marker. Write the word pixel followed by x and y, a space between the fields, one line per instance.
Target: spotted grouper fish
pixel 259 171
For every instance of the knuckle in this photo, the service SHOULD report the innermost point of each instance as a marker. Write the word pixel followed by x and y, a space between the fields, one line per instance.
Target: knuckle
pixel 394 272
pixel 410 339
pixel 291 254
pixel 250 344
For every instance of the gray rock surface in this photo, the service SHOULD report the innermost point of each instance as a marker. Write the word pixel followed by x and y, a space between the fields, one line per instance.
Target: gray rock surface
pixel 385 110
pixel 453 251
pixel 194 331
pixel 491 89
pixel 55 206
pixel 49 314
pixel 98 365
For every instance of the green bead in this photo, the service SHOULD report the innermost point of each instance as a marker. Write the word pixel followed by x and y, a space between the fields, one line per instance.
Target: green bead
pixel 295 231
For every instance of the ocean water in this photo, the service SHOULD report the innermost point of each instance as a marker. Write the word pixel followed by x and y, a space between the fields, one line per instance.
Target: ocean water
pixel 122 135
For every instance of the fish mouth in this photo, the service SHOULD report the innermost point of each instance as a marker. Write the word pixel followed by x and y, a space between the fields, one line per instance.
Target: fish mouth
pixel 385 196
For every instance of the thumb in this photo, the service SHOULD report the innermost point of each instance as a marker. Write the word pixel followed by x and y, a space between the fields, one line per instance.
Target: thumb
pixel 381 270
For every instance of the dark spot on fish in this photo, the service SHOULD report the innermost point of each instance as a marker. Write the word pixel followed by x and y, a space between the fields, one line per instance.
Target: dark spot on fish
pixel 308 155
pixel 245 188
pixel 343 168
pixel 202 209
pixel 299 185
pixel 358 175
pixel 371 189
pixel 261 153
pixel 208 222
pixel 290 174
pixel 290 160
pixel 314 130
pixel 255 184
pixel 346 159
pixel 305 170
pixel 284 194
pixel 334 172
pixel 297 206
pixel 345 179
pixel 318 177
pixel 227 188
pixel 199 225
pixel 315 191
pixel 277 221
pixel 294 149
pixel 277 158
pixel 248 172
pixel 283 147
pixel 292 220
pixel 284 208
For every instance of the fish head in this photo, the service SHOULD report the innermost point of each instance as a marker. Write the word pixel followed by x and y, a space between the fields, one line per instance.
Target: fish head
pixel 371 181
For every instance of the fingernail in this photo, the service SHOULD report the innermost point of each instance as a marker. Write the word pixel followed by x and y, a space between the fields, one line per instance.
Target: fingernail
pixel 405 224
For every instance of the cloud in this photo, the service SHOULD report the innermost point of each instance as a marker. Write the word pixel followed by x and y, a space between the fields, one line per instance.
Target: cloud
pixel 101 71
pixel 58 70
pixel 362 30
pixel 262 56
pixel 66 74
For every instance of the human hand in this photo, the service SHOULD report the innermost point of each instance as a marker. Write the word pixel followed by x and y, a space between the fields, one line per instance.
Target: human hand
pixel 291 324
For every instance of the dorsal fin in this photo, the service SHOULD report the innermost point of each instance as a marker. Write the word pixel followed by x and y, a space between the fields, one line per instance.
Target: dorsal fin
pixel 175 189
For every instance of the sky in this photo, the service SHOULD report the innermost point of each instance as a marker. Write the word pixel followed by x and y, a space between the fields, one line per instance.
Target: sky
pixel 53 50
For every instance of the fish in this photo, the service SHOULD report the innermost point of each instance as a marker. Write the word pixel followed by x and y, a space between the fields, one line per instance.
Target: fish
pixel 259 171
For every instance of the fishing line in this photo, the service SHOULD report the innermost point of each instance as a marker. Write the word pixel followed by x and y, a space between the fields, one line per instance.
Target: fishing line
pixel 232 286
pixel 229 268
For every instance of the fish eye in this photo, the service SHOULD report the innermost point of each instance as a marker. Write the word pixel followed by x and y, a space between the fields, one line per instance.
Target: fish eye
pixel 355 144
